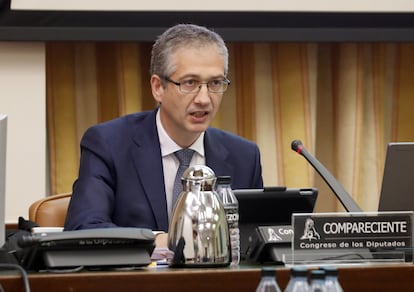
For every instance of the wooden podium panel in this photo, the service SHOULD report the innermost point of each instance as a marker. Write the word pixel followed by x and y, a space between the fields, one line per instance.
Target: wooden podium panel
pixel 390 277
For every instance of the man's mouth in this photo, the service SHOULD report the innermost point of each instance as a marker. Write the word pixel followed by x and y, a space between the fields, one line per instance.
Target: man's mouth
pixel 199 114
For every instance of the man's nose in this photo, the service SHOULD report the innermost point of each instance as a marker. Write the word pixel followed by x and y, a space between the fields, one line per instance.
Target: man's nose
pixel 203 94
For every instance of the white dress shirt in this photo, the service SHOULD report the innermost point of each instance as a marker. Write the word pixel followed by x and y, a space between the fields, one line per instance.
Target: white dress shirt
pixel 170 163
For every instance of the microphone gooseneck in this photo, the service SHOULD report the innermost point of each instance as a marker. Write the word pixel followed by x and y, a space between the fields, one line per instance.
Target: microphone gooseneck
pixel 347 201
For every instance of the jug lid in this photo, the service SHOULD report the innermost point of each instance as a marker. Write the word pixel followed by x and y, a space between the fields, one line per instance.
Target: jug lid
pixel 200 174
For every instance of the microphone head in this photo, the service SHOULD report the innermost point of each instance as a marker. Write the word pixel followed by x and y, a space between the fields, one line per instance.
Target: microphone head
pixel 297 145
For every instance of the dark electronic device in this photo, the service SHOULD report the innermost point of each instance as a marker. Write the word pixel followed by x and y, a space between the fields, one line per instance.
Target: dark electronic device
pixel 397 193
pixel 263 213
pixel 101 248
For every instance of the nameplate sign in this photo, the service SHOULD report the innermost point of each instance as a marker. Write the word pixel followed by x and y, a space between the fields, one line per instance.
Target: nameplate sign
pixel 333 231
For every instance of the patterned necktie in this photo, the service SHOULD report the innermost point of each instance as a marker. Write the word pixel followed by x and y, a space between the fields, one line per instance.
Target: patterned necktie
pixel 184 157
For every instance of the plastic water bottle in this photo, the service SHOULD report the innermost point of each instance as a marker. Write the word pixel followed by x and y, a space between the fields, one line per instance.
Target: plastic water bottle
pixel 231 208
pixel 317 278
pixel 268 281
pixel 298 280
pixel 331 280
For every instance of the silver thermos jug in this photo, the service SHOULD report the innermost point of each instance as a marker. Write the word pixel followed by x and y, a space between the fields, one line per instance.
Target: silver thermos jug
pixel 198 234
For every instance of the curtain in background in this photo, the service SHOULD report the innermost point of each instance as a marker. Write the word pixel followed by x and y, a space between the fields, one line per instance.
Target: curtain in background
pixel 344 101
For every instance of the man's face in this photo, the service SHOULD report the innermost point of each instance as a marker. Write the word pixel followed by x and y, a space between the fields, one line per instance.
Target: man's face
pixel 185 116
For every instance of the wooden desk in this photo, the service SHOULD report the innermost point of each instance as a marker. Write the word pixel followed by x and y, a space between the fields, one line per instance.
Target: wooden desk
pixel 398 277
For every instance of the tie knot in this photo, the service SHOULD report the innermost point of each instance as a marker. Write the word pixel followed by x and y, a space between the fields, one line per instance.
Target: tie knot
pixel 184 156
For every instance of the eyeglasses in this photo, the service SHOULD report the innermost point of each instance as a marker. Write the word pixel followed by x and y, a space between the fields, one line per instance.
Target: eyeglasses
pixel 188 86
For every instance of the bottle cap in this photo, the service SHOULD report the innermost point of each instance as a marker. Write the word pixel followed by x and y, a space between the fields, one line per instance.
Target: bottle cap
pixel 298 271
pixel 330 271
pixel 268 272
pixel 317 274
pixel 224 179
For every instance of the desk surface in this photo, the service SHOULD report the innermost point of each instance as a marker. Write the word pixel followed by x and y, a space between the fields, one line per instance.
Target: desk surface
pixel 390 277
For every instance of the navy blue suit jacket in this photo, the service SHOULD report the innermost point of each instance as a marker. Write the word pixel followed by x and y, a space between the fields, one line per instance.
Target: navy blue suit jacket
pixel 121 181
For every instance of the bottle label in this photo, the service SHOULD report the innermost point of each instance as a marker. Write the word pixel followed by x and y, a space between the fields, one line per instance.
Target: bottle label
pixel 232 216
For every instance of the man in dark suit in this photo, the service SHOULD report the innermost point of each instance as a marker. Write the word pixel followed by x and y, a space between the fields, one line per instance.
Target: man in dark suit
pixel 127 165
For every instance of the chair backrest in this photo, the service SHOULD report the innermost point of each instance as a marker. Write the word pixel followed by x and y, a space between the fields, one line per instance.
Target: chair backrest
pixel 50 211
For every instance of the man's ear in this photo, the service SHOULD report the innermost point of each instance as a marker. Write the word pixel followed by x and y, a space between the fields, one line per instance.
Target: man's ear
pixel 157 88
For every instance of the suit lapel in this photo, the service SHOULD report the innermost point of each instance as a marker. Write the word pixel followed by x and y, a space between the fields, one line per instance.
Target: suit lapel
pixel 216 154
pixel 148 163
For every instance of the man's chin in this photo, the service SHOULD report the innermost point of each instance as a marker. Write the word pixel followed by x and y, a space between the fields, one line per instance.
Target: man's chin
pixel 199 128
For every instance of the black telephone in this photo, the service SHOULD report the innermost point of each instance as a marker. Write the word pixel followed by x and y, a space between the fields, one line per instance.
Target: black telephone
pixel 101 248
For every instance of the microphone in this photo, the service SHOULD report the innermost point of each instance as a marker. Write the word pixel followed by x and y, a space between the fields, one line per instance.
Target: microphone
pixel 347 201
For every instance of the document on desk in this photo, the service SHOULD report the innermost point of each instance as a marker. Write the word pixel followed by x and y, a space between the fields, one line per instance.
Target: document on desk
pixel 161 256
pixel 45 230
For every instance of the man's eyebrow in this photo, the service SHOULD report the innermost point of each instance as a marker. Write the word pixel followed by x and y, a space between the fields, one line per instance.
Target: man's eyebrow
pixel 189 76
pixel 195 76
pixel 218 77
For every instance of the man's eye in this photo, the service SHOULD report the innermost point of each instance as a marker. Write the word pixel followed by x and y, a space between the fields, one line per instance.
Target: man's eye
pixel 215 82
pixel 189 82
